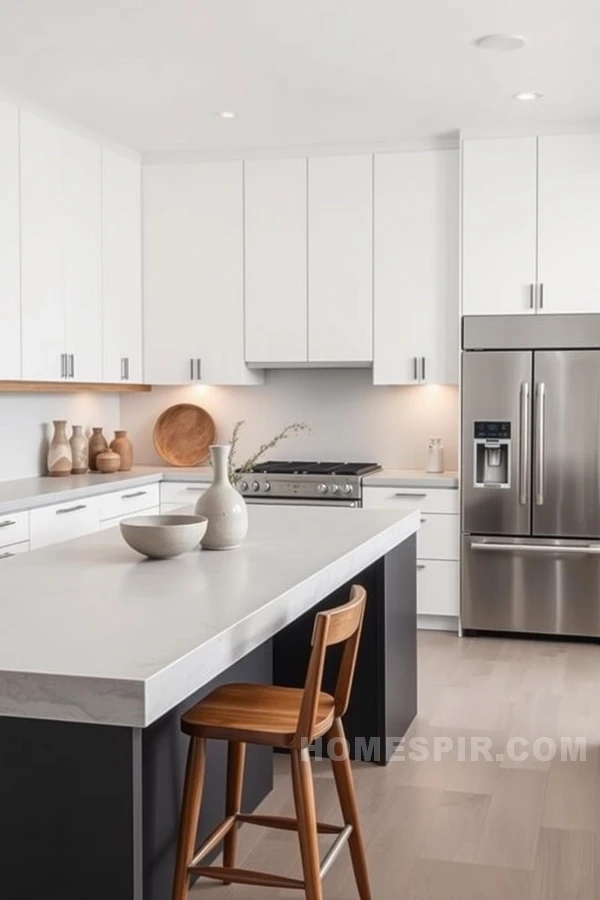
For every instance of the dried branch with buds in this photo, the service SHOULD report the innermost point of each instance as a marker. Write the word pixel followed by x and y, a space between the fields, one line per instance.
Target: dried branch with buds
pixel 236 470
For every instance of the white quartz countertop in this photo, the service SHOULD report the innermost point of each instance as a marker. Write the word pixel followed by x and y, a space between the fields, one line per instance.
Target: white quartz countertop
pixel 416 478
pixel 29 493
pixel 92 632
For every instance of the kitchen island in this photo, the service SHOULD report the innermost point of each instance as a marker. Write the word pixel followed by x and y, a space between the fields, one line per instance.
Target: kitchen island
pixel 101 651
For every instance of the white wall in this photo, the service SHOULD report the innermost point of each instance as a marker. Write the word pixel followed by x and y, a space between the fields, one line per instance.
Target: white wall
pixel 26 426
pixel 351 419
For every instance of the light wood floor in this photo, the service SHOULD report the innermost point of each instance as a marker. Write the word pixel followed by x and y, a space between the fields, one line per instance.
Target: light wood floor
pixel 453 830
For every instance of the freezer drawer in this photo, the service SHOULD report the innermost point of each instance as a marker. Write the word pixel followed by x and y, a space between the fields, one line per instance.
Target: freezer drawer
pixel 530 585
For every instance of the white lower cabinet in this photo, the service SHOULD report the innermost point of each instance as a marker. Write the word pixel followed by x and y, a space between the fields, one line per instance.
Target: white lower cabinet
pixel 64 521
pixel 175 494
pixel 134 501
pixel 438 543
pixel 13 550
pixel 14 528
pixel 112 523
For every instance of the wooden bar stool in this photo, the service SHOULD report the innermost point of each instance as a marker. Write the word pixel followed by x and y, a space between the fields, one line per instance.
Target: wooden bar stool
pixel 290 718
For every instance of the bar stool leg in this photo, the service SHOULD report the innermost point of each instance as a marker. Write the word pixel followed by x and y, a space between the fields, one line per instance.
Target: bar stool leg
pixel 190 814
pixel 236 760
pixel 304 797
pixel 342 772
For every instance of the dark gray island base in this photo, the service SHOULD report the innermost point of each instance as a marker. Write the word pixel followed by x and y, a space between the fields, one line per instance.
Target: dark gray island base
pixel 92 810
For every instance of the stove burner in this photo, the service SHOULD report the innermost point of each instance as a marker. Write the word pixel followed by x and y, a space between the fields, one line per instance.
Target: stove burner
pixel 278 467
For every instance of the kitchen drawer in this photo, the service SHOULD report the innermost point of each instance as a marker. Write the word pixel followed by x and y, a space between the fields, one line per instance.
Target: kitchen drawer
pixel 437 588
pixel 112 523
pixel 438 537
pixel 181 493
pixel 14 528
pixel 13 550
pixel 436 500
pixel 63 521
pixel 131 500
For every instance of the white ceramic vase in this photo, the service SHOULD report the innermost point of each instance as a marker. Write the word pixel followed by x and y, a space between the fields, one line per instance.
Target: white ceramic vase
pixel 223 506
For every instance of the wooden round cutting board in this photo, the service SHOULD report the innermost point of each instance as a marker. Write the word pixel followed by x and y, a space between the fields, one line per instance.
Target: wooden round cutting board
pixel 183 433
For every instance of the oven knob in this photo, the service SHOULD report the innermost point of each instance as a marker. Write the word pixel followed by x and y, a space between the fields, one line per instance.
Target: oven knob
pixel 335 488
pixel 266 486
pixel 243 486
pixel 255 486
pixel 321 488
pixel 347 488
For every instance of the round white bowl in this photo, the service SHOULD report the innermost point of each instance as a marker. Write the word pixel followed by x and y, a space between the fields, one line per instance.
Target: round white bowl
pixel 162 537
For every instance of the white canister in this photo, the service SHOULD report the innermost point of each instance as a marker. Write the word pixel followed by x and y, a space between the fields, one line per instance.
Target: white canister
pixel 223 506
pixel 435 455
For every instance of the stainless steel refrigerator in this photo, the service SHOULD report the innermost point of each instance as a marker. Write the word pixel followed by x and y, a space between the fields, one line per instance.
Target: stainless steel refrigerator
pixel 531 474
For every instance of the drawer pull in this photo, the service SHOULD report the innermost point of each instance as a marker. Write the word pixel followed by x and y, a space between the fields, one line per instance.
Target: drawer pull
pixel 421 566
pixel 422 520
pixel 135 494
pixel 413 496
pixel 201 488
pixel 7 523
pixel 6 555
pixel 70 509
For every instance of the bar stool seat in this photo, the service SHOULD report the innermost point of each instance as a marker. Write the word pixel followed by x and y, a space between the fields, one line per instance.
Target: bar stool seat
pixel 280 717
pixel 263 714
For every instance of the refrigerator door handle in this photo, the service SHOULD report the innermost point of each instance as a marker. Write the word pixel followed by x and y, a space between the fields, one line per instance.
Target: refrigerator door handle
pixel 539 549
pixel 540 452
pixel 524 445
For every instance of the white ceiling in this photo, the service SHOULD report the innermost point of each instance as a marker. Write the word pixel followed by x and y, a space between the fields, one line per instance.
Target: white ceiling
pixel 151 74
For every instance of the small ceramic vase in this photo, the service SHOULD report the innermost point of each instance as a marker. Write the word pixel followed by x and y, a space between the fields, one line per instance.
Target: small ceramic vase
pixel 108 462
pixel 123 446
pixel 60 460
pixel 98 444
pixel 223 506
pixel 79 450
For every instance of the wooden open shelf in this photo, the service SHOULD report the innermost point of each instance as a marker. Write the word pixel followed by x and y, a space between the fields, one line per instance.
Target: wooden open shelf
pixel 69 387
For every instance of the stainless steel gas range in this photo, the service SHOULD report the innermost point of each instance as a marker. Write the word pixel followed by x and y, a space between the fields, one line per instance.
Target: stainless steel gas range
pixel 306 483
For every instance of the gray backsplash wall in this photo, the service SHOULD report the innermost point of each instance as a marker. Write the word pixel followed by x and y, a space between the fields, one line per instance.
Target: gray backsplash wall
pixel 350 418
pixel 26 425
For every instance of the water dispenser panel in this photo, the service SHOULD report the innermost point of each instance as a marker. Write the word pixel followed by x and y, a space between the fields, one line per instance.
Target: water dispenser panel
pixel 492 448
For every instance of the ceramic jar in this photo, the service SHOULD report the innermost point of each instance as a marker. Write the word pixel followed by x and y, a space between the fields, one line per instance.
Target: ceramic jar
pixel 79 450
pixel 223 506
pixel 435 455
pixel 98 444
pixel 108 462
pixel 60 459
pixel 123 446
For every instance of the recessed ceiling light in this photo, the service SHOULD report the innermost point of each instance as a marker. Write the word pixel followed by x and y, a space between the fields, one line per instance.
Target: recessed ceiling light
pixel 528 95
pixel 500 42
pixel 227 114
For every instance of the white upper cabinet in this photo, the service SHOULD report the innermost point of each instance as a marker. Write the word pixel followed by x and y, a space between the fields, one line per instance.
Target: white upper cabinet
pixel 340 259
pixel 499 226
pixel 416 268
pixel 42 250
pixel 121 267
pixel 569 223
pixel 276 261
pixel 60 253
pixel 10 276
pixel 82 192
pixel 194 274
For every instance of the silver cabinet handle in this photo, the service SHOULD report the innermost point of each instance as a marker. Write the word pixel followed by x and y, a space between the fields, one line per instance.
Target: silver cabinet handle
pixel 524 444
pixel 63 365
pixel 532 296
pixel 541 549
pixel 126 368
pixel 420 566
pixel 71 372
pixel 423 521
pixel 199 369
pixel 201 488
pixel 423 375
pixel 6 555
pixel 540 452
pixel 411 496
pixel 541 295
pixel 71 509
pixel 134 494
pixel 7 523
pixel 191 369
pixel 415 369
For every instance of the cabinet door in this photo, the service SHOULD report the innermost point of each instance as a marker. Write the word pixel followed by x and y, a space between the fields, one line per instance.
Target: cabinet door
pixel 499 198
pixel 193 275
pixel 82 180
pixel 121 267
pixel 416 271
pixel 42 249
pixel 340 259
pixel 10 262
pixel 275 211
pixel 569 223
